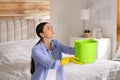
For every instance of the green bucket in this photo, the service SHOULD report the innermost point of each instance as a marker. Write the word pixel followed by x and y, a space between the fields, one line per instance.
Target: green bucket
pixel 85 50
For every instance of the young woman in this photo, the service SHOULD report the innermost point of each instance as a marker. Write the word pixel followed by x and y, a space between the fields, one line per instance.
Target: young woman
pixel 47 62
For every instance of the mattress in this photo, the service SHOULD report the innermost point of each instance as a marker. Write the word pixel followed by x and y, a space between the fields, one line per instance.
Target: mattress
pixel 15 60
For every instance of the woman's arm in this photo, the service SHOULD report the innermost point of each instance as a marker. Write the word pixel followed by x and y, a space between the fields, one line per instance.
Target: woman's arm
pixel 67 49
pixel 64 49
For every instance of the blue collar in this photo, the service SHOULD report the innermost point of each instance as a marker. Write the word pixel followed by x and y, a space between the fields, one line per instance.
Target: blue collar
pixel 42 45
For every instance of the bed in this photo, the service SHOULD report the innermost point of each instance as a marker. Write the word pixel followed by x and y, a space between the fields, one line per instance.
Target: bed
pixel 15 57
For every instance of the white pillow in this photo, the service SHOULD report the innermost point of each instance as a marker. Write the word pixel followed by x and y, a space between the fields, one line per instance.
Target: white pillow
pixel 17 51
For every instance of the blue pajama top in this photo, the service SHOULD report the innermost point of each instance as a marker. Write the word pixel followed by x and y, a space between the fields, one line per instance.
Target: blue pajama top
pixel 43 61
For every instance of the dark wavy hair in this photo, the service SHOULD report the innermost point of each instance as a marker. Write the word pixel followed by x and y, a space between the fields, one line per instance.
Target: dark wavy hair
pixel 39 29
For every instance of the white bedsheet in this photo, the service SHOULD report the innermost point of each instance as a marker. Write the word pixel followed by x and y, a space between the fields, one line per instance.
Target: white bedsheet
pixel 15 65
pixel 99 70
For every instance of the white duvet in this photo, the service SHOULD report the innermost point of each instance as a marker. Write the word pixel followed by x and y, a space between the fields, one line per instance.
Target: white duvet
pixel 99 70
pixel 15 64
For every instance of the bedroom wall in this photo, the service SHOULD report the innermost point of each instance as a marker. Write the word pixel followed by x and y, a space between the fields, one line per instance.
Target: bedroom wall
pixel 65 18
pixel 60 18
pixel 108 25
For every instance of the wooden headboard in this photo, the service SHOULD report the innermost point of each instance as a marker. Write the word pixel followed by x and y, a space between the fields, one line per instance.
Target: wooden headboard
pixel 18 29
pixel 18 19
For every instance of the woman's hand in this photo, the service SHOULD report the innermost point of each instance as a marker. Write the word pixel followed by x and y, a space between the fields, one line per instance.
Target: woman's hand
pixel 75 60
pixel 67 60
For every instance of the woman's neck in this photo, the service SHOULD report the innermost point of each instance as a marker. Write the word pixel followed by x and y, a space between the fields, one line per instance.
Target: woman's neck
pixel 47 43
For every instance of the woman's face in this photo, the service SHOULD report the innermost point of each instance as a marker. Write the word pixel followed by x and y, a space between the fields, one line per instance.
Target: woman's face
pixel 48 31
